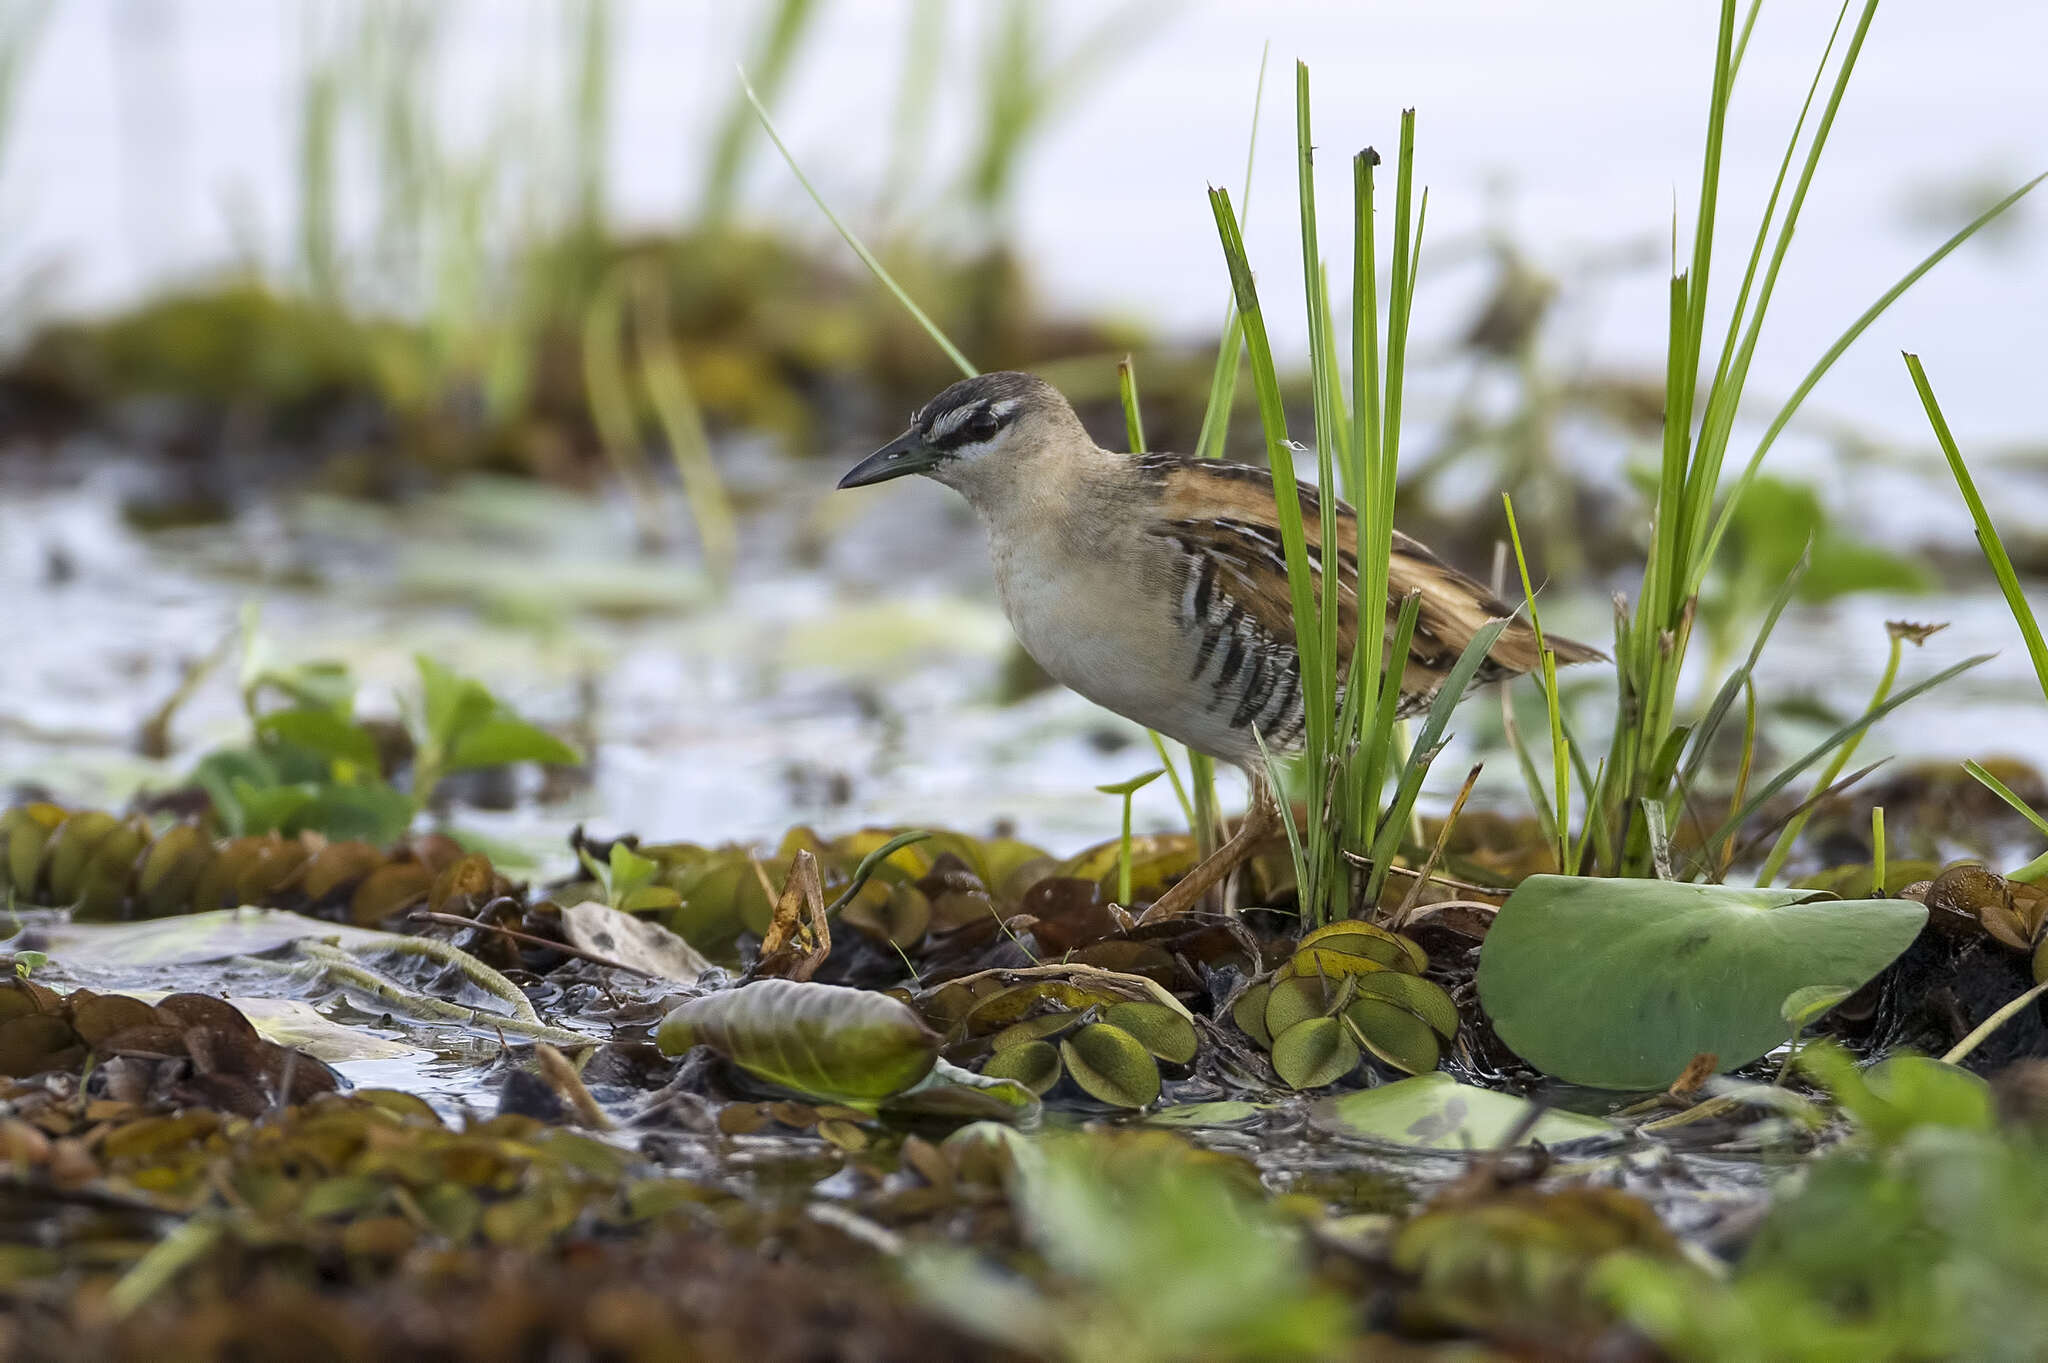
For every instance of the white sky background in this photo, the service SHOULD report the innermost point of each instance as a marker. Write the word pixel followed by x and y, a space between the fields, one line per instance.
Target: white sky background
pixel 126 170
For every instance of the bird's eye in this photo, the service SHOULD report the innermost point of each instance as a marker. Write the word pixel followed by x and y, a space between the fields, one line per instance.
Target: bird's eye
pixel 982 425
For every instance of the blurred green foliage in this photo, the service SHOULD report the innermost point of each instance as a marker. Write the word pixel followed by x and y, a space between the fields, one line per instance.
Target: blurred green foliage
pixel 311 765
pixel 1925 1238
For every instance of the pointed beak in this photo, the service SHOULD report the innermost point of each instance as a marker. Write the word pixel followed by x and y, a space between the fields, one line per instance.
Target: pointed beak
pixel 905 454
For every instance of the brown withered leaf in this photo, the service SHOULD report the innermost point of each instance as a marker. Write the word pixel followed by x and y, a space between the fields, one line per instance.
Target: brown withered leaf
pixel 799 937
pixel 1698 1071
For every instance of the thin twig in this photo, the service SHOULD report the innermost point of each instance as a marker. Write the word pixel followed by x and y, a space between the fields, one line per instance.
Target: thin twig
pixel 1436 853
pixel 531 939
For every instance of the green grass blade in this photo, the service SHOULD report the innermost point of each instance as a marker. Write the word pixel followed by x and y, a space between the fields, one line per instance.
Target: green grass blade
pixel 1223 379
pixel 1708 727
pixel 1427 742
pixel 867 257
pixel 1833 353
pixel 1987 534
pixel 2005 793
pixel 1127 391
pixel 1840 736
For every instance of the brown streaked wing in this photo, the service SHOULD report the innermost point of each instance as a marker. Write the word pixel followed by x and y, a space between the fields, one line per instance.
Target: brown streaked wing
pixel 1223 514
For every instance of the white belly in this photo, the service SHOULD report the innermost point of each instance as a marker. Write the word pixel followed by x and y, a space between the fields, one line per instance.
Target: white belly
pixel 1107 631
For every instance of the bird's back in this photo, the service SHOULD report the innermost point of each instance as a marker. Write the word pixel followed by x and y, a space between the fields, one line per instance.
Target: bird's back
pixel 1164 597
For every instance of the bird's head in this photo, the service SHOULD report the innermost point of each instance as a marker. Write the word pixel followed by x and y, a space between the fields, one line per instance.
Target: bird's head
pixel 977 436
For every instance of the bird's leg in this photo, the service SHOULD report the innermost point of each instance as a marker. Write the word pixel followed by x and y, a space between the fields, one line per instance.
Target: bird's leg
pixel 1261 820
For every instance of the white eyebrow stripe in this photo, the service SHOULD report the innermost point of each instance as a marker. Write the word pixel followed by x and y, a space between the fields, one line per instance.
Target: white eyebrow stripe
pixel 1005 407
pixel 950 422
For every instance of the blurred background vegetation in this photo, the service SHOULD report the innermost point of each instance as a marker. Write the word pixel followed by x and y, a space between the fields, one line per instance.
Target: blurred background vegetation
pixel 404 316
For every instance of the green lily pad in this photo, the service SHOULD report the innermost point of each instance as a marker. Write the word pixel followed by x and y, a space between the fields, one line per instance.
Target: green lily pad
pixel 1436 1112
pixel 1619 983
pixel 824 1041
pixel 1034 1064
pixel 1161 1030
pixel 1111 1065
pixel 1314 1052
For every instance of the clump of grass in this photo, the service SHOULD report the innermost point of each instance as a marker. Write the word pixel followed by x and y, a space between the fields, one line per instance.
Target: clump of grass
pixel 1656 751
pixel 1345 849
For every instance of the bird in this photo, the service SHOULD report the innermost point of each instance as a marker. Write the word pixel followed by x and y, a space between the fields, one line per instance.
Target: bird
pixel 1155 585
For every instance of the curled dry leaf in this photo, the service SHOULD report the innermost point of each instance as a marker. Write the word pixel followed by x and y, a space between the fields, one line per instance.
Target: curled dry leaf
pixel 637 942
pixel 799 937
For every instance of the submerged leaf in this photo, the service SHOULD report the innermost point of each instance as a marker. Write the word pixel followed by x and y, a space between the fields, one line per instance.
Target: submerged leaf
pixel 1222 1113
pixel 1436 1112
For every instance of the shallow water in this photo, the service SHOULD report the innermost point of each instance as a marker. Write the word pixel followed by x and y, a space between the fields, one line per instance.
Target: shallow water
pixel 850 678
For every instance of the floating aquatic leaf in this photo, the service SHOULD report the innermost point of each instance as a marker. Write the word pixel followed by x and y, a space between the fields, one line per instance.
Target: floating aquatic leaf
pixel 1807 1003
pixel 962 1095
pixel 1249 1011
pixel 1425 998
pixel 1034 1064
pixel 1395 1034
pixel 897 914
pixel 1033 1029
pixel 1161 1030
pixel 1314 1052
pixel 1331 961
pixel 822 1040
pixel 88 861
pixel 1359 938
pixel 1619 983
pixel 24 832
pixel 1436 1112
pixel 1111 1066
pixel 1293 1000
pixel 1022 1001
pixel 170 869
pixel 1901 1094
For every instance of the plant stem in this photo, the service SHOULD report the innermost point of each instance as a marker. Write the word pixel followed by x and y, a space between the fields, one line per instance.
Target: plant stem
pixel 1958 1052
pixel 1782 849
